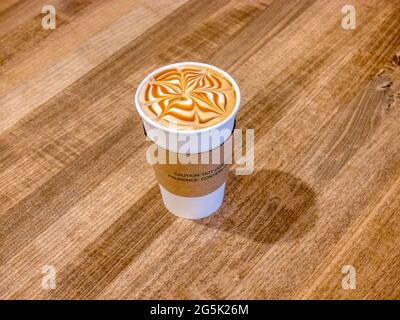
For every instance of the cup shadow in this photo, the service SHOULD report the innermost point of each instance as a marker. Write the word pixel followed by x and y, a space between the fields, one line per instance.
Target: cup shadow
pixel 265 206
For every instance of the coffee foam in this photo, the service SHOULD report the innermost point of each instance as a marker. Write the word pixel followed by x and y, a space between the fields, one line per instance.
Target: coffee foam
pixel 188 97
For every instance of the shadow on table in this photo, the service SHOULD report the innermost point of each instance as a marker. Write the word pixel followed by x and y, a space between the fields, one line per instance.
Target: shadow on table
pixel 265 206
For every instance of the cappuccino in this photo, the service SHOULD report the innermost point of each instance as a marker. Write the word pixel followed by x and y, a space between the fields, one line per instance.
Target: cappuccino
pixel 188 97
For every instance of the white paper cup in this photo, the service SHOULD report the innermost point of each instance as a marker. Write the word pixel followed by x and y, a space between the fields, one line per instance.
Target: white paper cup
pixel 182 206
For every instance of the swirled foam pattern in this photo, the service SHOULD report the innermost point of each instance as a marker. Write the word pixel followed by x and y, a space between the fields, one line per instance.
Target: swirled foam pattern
pixel 188 98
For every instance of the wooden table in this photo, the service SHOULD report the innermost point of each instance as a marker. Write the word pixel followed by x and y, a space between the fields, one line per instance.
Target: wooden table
pixel 78 198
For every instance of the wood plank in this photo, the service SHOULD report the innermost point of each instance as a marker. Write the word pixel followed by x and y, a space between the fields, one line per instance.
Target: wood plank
pixel 76 192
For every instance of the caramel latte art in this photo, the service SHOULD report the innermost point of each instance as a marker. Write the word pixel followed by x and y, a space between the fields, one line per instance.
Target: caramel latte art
pixel 188 97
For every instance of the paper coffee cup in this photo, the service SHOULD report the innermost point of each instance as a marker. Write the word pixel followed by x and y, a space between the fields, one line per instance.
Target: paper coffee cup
pixel 188 190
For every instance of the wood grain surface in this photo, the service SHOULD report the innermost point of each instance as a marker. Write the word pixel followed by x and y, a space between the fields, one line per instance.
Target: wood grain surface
pixel 77 194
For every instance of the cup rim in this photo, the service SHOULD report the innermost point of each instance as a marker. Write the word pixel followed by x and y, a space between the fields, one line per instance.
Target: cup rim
pixel 145 117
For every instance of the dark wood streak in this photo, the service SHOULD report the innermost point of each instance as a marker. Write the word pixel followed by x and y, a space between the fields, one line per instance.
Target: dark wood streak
pixel 50 201
pixel 122 242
